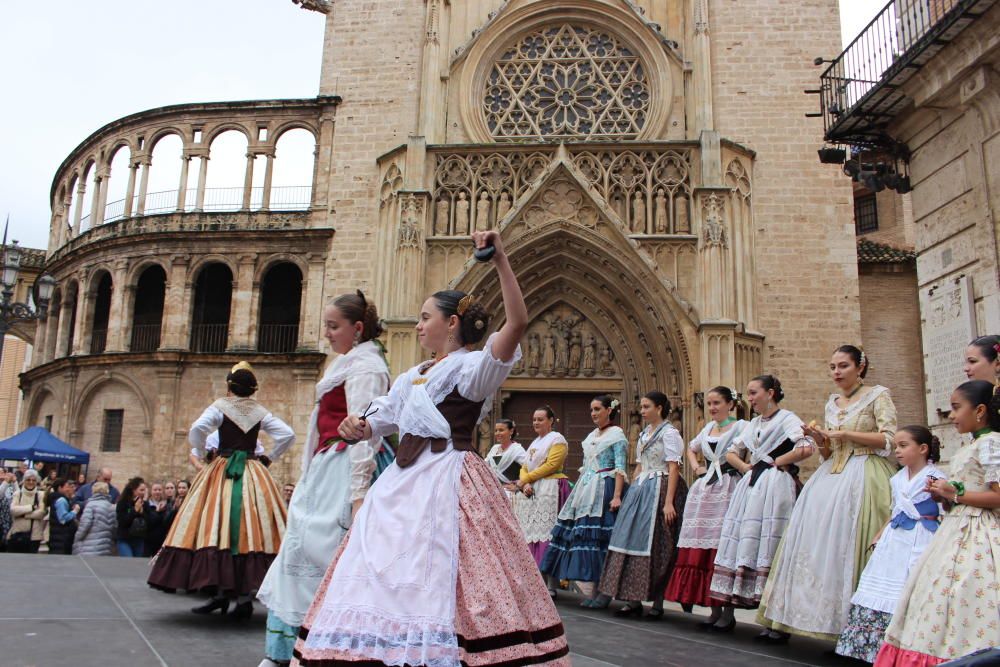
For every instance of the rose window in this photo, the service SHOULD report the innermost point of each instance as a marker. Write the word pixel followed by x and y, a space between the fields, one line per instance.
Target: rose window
pixel 567 81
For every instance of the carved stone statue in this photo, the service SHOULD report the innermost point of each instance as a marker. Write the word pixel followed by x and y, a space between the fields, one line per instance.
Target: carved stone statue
pixel 590 356
pixel 662 220
pixel 483 212
pixel 462 214
pixel 638 215
pixel 607 356
pixel 574 353
pixel 619 207
pixel 532 361
pixel 562 352
pixel 681 216
pixel 674 387
pixel 503 206
pixel 441 218
pixel 548 354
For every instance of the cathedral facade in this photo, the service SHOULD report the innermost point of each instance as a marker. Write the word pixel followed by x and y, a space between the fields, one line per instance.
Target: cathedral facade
pixel 650 166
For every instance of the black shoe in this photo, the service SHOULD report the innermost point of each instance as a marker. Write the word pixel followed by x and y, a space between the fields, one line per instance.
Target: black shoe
pixel 688 608
pixel 654 614
pixel 705 626
pixel 243 610
pixel 628 610
pixel 724 629
pixel 222 604
pixel 782 638
pixel 763 636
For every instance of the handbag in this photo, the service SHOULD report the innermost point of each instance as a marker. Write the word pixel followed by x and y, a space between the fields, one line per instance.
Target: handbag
pixel 138 527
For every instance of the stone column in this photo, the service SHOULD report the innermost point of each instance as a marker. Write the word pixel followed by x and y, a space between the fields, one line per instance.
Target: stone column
pixel 62 340
pixel 202 179
pixel 95 200
pixel 52 333
pixel 176 316
pixel 84 324
pixel 130 189
pixel 182 186
pixel 81 190
pixel 120 295
pixel 41 328
pixel 146 161
pixel 268 174
pixel 241 325
pixel 104 179
pixel 312 305
pixel 248 182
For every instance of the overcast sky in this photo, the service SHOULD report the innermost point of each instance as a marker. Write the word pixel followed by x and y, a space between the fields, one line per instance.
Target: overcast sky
pixel 71 67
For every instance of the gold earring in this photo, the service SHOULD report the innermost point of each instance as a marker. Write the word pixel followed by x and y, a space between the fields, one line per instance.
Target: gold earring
pixel 451 337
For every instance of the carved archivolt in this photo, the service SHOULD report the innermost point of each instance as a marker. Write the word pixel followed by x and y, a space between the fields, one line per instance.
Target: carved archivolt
pixel 570 81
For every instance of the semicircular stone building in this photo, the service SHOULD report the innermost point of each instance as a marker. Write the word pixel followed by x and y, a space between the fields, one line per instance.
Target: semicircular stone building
pixel 649 165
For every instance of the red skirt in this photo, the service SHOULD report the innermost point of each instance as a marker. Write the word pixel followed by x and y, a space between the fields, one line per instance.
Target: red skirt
pixel 691 580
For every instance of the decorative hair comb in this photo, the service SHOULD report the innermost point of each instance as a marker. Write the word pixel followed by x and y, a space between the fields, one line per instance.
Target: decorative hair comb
pixel 241 366
pixel 463 304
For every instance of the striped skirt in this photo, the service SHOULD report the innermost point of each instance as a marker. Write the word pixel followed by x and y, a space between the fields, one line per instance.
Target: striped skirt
pixel 198 554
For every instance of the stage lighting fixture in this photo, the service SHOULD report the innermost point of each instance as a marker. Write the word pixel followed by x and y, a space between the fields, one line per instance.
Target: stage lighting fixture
pixel 832 155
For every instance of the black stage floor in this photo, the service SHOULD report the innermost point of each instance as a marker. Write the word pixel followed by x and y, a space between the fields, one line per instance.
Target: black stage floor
pixel 98 612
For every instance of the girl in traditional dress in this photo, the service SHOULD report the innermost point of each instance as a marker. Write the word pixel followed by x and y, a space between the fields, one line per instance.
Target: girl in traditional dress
pixel 762 502
pixel 898 547
pixel 842 508
pixel 950 606
pixel 982 359
pixel 230 526
pixel 580 538
pixel 707 503
pixel 434 571
pixel 543 486
pixel 643 544
pixel 507 457
pixel 335 475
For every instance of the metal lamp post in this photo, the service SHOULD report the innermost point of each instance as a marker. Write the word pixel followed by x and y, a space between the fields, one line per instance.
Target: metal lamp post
pixel 14 312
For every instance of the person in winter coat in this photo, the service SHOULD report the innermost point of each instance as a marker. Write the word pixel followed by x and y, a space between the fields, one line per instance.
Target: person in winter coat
pixel 159 515
pixel 62 517
pixel 133 523
pixel 28 509
pixel 96 535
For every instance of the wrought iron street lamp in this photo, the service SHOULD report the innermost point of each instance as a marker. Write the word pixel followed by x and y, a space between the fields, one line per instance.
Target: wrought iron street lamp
pixel 14 312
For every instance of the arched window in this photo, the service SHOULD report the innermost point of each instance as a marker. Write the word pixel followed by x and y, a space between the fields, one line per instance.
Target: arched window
pixel 117 184
pixel 291 182
pixel 280 301
pixel 85 199
pixel 213 296
pixel 226 172
pixel 102 314
pixel 71 303
pixel 164 175
pixel 147 313
pixel 573 81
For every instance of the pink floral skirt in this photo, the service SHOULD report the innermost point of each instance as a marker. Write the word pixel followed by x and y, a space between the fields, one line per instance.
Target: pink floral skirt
pixel 503 613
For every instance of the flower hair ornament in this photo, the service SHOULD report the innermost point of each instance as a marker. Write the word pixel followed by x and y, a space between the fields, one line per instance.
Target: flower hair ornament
pixel 996 348
pixel 463 304
pixel 864 357
pixel 615 403
pixel 734 393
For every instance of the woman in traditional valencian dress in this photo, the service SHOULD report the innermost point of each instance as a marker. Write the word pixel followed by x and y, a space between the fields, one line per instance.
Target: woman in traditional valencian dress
pixel 580 538
pixel 507 457
pixel 707 503
pixel 950 606
pixel 982 359
pixel 643 544
pixel 762 502
pixel 434 571
pixel 335 475
pixel 903 539
pixel 230 526
pixel 543 486
pixel 842 508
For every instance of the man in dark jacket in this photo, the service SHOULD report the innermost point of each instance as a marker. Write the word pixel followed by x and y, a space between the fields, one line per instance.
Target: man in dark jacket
pixel 84 492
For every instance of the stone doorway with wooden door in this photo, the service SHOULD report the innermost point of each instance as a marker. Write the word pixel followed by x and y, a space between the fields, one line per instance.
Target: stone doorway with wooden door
pixel 572 410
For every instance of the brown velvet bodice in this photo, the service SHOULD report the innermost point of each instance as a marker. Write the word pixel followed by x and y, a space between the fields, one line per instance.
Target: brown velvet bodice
pixel 460 413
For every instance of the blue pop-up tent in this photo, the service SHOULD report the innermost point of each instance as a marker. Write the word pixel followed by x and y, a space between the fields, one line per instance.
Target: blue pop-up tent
pixel 37 444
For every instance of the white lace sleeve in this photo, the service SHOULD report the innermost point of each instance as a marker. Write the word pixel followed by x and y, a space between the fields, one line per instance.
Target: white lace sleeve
pixel 209 421
pixel 482 373
pixel 362 389
pixel 989 458
pixel 673 446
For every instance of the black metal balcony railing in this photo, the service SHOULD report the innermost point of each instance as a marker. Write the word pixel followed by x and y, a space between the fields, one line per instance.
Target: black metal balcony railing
pixel 277 337
pixel 145 338
pixel 209 337
pixel 860 90
pixel 98 341
pixel 287 198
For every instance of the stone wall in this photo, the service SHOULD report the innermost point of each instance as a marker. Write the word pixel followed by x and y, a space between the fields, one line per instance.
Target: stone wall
pixel 807 289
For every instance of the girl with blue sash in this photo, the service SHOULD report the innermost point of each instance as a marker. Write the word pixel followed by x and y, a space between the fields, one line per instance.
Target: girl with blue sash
pixel 913 522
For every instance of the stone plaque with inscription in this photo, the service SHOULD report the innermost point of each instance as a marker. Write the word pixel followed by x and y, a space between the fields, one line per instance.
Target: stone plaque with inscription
pixel 949 323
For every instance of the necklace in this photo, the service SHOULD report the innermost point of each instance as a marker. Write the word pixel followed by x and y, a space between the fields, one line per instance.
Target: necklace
pixel 725 422
pixel 849 395
pixel 981 432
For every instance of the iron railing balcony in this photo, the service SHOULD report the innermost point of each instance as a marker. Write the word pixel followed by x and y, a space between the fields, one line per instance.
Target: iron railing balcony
pixel 281 338
pixel 861 89
pixel 98 341
pixel 209 337
pixel 145 338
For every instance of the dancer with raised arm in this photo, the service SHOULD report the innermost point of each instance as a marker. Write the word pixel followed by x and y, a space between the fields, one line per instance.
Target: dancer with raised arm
pixel 434 571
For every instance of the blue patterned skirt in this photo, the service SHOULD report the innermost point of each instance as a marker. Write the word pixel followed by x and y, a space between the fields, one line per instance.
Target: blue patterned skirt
pixel 578 547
